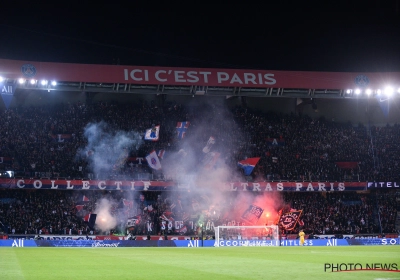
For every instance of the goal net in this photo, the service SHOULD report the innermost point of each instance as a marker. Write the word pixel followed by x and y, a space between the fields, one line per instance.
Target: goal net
pixel 226 236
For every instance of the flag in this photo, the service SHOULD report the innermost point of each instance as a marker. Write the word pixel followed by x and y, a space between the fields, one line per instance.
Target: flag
pixel 289 220
pixel 181 128
pixel 127 203
pixel 7 92
pixel 152 134
pixel 85 198
pixel 248 165
pixel 252 214
pixel 79 207
pixel 161 153
pixel 153 161
pixel 210 143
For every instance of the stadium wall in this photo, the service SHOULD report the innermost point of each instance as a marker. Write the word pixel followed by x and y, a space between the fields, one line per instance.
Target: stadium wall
pixel 195 243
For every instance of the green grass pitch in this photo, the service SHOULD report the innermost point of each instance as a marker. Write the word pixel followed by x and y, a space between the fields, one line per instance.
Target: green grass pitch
pixel 193 263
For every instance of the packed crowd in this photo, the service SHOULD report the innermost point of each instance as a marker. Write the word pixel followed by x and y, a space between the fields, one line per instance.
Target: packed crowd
pixel 57 212
pixel 304 149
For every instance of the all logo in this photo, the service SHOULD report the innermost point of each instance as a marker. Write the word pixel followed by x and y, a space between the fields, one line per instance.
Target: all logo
pixel 18 243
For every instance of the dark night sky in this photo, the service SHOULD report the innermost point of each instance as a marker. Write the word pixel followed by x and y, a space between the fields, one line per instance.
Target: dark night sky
pixel 334 36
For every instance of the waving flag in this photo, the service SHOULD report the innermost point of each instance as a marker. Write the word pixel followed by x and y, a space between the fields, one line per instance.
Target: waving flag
pixel 152 134
pixel 85 198
pixel 248 165
pixel 252 214
pixel 153 160
pixel 181 128
pixel 289 220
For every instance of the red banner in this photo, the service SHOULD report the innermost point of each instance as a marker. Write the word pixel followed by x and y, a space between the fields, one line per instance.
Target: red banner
pixel 170 185
pixel 15 69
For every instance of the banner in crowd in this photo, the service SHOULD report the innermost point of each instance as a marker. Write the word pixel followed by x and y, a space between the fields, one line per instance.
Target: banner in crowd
pixel 289 220
pixel 383 185
pixel 170 185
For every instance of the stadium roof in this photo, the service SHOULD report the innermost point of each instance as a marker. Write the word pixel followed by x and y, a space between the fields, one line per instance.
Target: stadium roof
pixel 35 75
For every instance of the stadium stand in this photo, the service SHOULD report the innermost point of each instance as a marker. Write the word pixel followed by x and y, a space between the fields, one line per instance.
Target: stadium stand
pixel 292 148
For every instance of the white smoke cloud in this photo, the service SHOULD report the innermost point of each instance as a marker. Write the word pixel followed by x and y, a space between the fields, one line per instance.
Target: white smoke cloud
pixel 107 147
pixel 105 220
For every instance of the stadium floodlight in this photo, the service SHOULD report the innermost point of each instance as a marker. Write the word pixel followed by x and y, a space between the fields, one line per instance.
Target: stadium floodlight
pixel 348 91
pixel 33 81
pixel 237 236
pixel 357 91
pixel 378 91
pixel 1 79
pixel 53 83
pixel 389 91
pixel 368 91
pixel 21 80
pixel 398 90
pixel 43 82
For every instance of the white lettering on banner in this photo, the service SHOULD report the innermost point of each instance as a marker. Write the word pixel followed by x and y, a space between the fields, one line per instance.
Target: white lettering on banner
pixel 205 74
pixel 18 243
pixel 256 187
pixel 85 185
pixel 295 243
pixel 178 224
pixel 146 185
pixel 193 243
pixel 310 187
pixel 37 184
pixel 190 76
pixel 158 75
pixel 236 243
pixel 383 184
pixel 69 185
pixel 268 187
pixel 19 184
pixel 179 76
pixel 118 183
pixel 331 242
pixel 386 241
pixel 101 244
pixel 100 185
pixel 7 89
pixel 150 185
pixel 52 185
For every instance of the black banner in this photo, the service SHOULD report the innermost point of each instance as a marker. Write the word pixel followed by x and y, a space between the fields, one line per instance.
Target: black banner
pixel 290 219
